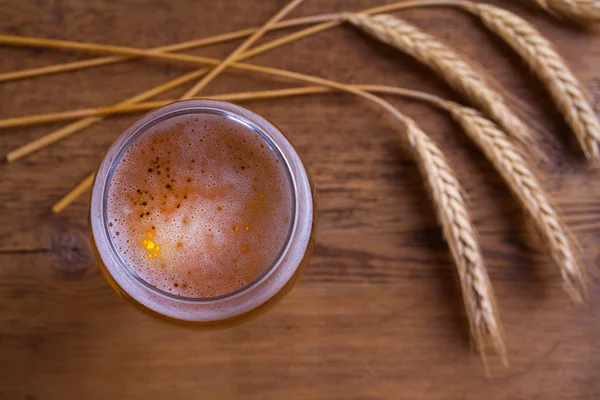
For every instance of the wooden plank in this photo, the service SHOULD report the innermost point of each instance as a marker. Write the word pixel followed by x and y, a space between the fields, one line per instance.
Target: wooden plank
pixel 67 337
pixel 377 314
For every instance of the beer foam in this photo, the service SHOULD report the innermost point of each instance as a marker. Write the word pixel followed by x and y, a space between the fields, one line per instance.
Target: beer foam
pixel 199 206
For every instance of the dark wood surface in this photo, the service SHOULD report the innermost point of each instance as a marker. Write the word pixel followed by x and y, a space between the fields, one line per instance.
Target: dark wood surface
pixel 377 314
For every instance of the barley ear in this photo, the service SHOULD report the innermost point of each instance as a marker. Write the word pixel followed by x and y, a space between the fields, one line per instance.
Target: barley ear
pixel 453 67
pixel 459 231
pixel 578 11
pixel 522 181
pixel 548 65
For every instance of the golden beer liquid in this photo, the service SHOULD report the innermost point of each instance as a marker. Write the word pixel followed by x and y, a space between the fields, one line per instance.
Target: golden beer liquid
pixel 217 323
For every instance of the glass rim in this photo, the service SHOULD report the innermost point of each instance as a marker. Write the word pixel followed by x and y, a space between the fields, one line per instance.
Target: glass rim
pixel 211 107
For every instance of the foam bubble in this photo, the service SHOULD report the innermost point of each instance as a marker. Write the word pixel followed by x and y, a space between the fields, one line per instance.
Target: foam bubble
pixel 199 206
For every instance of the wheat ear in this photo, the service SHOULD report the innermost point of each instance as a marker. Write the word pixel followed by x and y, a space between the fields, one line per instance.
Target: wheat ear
pixel 551 69
pixel 460 234
pixel 450 65
pixel 513 168
pixel 579 11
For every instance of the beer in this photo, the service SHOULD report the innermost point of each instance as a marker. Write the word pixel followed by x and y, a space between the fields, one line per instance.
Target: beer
pixel 202 212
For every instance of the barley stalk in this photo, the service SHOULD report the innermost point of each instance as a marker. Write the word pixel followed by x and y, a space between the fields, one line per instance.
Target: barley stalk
pixel 515 171
pixel 451 209
pixel 580 11
pixel 551 69
pixel 450 65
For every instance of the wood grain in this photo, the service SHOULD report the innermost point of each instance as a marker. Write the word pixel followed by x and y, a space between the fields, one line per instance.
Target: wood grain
pixel 377 314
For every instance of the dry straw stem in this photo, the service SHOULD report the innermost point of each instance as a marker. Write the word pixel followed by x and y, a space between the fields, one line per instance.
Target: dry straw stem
pixel 72 195
pixel 460 234
pixel 578 11
pixel 331 20
pixel 551 69
pixel 240 49
pixel 150 105
pixel 101 111
pixel 86 122
pixel 89 121
pixel 503 114
pixel 449 64
pixel 133 52
pixel 188 45
pixel 519 177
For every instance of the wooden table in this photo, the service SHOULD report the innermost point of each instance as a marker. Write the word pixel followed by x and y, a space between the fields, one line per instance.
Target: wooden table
pixel 377 314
